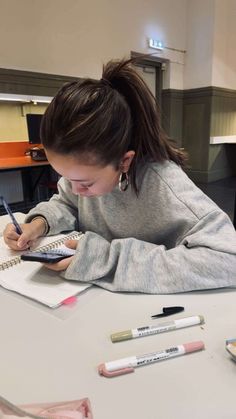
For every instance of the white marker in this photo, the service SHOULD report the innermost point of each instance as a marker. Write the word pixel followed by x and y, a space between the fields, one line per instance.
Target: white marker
pixel 158 328
pixel 126 365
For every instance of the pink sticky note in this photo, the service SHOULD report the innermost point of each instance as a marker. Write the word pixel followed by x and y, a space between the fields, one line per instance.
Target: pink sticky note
pixel 70 300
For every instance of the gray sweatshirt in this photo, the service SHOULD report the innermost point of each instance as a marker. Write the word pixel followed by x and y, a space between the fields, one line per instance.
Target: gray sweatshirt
pixel 171 238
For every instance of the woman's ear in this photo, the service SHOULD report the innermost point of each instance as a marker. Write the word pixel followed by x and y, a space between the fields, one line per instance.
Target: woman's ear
pixel 126 161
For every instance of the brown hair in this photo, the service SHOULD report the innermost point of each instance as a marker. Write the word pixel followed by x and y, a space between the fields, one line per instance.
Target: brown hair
pixel 106 118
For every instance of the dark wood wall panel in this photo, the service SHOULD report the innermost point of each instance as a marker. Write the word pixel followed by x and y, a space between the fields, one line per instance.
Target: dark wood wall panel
pixel 206 112
pixel 31 83
pixel 172 114
pixel 223 116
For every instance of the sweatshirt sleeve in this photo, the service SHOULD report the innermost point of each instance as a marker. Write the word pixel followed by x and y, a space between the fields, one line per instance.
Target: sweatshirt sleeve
pixel 61 211
pixel 204 258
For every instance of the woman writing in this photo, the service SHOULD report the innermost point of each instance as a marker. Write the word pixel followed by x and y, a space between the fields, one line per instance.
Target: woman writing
pixel 147 227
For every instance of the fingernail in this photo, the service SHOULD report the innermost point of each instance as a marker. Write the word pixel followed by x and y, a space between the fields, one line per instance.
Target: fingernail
pixel 20 244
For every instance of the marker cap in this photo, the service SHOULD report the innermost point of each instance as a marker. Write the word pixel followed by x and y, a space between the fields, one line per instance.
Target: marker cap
pixel 194 346
pixel 103 371
pixel 119 336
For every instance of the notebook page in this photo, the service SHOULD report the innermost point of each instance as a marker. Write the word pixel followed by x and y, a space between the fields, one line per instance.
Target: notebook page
pixel 5 253
pixel 33 280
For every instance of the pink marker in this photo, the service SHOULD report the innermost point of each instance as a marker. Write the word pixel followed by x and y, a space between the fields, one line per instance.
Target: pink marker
pixel 126 365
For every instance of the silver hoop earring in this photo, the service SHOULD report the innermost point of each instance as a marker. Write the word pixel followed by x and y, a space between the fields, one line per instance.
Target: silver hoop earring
pixel 123 181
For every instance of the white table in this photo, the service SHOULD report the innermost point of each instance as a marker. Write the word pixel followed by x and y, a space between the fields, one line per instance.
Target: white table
pixel 52 355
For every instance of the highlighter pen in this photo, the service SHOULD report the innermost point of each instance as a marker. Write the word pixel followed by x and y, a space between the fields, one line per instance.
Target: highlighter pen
pixel 158 328
pixel 8 210
pixel 126 365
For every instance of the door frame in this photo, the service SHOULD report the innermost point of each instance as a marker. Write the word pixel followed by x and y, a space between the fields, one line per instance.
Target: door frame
pixel 159 64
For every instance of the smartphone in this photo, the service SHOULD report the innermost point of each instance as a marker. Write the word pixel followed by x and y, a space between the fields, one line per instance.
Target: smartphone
pixel 51 256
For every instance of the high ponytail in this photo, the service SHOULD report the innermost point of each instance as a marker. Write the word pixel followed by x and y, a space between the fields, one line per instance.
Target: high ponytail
pixel 105 118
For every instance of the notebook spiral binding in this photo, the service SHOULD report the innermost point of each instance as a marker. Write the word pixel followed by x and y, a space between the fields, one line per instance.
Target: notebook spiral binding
pixel 14 261
pixel 9 263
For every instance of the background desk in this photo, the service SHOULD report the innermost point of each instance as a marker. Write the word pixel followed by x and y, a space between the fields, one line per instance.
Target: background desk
pixel 15 163
pixel 52 355
pixel 37 176
pixel 12 156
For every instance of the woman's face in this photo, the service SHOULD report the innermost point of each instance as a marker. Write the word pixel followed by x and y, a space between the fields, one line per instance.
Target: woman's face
pixel 86 180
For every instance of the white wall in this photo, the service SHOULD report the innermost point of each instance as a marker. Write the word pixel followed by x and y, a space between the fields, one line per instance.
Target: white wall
pixel 74 37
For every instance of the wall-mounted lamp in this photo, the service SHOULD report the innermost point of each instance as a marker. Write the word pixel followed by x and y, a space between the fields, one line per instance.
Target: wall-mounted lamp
pixel 155 44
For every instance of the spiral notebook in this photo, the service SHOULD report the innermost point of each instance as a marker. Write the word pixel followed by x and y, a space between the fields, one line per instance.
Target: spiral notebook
pixel 32 279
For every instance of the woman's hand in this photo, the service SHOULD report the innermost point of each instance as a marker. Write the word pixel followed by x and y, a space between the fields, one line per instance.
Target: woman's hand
pixel 30 232
pixel 64 263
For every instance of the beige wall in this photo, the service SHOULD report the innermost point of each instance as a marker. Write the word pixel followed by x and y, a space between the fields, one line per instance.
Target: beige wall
pixel 200 31
pixel 224 57
pixel 211 37
pixel 13 125
pixel 74 37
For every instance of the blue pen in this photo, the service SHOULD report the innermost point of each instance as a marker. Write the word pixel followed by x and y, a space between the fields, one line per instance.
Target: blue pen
pixel 7 208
